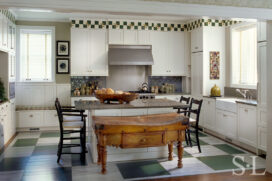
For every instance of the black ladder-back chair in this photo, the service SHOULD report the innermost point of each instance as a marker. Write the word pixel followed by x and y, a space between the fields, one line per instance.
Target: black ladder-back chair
pixel 75 124
pixel 194 122
pixel 183 111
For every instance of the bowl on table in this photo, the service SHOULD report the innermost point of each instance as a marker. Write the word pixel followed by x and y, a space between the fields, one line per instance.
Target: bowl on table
pixel 121 97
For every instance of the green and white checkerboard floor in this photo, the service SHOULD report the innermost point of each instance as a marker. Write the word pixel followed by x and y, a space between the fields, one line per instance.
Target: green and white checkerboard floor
pixel 32 156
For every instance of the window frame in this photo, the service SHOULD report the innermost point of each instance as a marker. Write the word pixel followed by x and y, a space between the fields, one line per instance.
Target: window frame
pixel 233 27
pixel 53 56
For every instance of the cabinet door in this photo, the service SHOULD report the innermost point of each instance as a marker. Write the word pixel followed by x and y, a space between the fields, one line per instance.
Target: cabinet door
pixel 13 37
pixel 261 29
pixel 50 119
pixel 262 133
pixel 5 33
pixel 220 125
pixel 10 35
pixel 209 119
pixel 1 30
pixel 144 37
pixel 175 52
pixel 197 74
pixel 31 119
pixel 197 40
pixel 230 125
pixel 247 125
pixel 98 64
pixel 130 37
pixel 79 52
pixel 262 80
pixel 158 41
pixel 116 37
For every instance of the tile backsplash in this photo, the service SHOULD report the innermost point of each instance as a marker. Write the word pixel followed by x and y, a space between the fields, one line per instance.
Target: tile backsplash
pixel 160 80
pixel 78 81
pixel 231 91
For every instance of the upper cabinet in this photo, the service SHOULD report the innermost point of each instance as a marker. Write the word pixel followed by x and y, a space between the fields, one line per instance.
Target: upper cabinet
pixel 168 53
pixel 130 37
pixel 7 34
pixel 144 37
pixel 261 31
pixel 89 55
pixel 197 40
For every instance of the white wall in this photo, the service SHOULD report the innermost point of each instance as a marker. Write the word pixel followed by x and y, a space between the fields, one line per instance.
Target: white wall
pixel 213 40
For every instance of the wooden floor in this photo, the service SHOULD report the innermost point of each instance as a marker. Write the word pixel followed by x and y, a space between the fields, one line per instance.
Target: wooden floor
pixel 227 176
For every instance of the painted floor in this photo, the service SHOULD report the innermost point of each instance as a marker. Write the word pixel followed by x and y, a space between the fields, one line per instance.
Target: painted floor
pixel 32 156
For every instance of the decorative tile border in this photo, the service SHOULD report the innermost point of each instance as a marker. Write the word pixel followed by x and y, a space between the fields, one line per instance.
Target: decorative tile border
pixel 127 25
pixel 130 25
pixel 8 14
pixel 209 22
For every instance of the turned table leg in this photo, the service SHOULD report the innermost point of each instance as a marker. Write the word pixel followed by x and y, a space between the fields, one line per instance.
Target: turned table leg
pixel 170 151
pixel 180 152
pixel 98 154
pixel 103 154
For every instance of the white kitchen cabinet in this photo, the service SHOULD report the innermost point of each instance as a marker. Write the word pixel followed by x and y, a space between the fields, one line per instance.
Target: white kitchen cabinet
pixel 261 31
pixel 98 53
pixel 10 27
pixel 262 78
pixel 197 74
pixel 130 37
pixel 89 52
pixel 50 118
pixel 208 120
pixel 30 119
pixel 144 37
pixel 12 67
pixel 247 124
pixel 4 33
pixel 197 40
pixel 79 51
pixel 116 37
pixel 168 53
pixel 262 134
pixel 226 123
pixel 262 117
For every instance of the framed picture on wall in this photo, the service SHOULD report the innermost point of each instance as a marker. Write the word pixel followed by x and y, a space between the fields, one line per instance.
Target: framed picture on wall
pixel 214 65
pixel 63 48
pixel 63 66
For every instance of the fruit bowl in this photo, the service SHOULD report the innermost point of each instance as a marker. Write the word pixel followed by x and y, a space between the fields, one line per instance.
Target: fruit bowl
pixel 121 98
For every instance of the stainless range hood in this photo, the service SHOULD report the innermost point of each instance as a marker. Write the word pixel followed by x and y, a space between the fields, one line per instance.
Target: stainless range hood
pixel 130 55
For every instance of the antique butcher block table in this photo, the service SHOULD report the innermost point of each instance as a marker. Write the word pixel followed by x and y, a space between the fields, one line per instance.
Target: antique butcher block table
pixel 149 130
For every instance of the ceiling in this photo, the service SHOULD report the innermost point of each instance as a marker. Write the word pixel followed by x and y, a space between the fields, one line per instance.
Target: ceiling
pixel 161 10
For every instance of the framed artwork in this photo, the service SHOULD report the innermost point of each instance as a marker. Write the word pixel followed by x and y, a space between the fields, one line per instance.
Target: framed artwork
pixel 63 48
pixel 63 66
pixel 214 65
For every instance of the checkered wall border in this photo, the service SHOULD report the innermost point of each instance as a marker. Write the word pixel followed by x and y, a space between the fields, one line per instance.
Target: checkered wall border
pixel 8 14
pixel 127 25
pixel 130 25
pixel 209 22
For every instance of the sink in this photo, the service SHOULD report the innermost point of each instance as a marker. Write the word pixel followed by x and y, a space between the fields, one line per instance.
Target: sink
pixel 227 104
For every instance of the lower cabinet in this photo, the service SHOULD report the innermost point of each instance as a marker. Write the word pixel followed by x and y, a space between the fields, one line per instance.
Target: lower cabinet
pixel 208 120
pixel 7 122
pixel 247 124
pixel 30 119
pixel 226 123
pixel 262 134
pixel 37 118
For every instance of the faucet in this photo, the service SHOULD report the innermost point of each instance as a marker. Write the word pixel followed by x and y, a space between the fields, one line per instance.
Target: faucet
pixel 242 92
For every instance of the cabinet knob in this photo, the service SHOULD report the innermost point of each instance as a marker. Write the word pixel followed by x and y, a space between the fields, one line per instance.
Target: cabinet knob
pixel 31 115
pixel 196 47
pixel 246 110
pixel 224 115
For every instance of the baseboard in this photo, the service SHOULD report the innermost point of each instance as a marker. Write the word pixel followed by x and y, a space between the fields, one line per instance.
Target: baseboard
pixel 8 143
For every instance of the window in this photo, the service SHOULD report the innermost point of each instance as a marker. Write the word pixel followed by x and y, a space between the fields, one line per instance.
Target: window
pixel 36 54
pixel 244 56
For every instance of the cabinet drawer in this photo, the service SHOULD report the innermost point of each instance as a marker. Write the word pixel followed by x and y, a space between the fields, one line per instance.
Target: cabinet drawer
pixel 30 119
pixel 143 139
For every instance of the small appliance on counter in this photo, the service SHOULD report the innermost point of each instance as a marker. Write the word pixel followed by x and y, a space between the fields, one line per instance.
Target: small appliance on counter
pixel 215 91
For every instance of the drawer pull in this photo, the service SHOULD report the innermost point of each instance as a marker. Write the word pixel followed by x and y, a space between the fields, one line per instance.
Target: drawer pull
pixel 31 115
pixel 55 115
pixel 224 115
pixel 246 110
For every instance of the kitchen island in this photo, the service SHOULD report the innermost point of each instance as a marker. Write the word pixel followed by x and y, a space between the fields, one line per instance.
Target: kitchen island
pixel 135 108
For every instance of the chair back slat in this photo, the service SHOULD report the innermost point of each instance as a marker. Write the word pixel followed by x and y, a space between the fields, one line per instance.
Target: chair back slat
pixel 186 100
pixel 59 112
